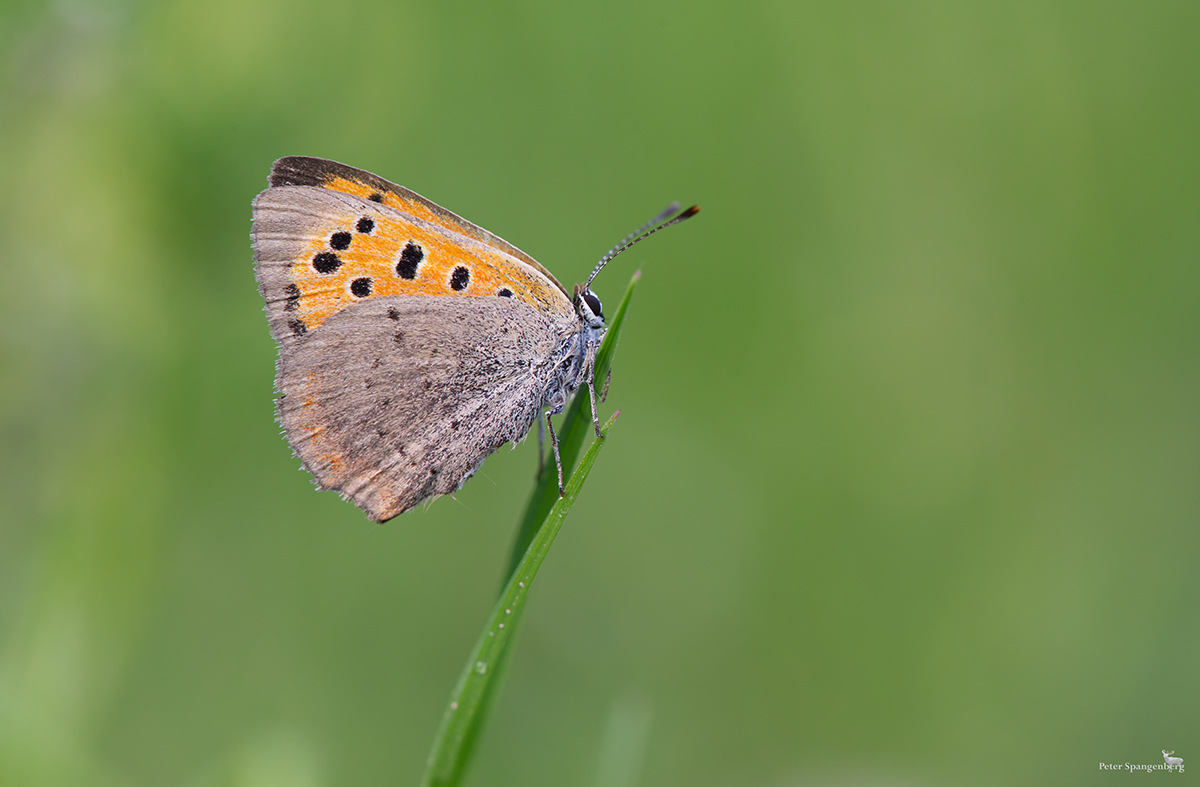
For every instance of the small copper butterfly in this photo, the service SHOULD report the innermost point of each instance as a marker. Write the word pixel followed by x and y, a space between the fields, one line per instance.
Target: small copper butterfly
pixel 412 343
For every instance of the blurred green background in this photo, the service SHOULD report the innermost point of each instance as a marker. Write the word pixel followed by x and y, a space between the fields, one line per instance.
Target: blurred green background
pixel 907 480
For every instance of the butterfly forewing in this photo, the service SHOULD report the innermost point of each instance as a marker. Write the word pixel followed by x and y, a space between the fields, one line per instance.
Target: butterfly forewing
pixel 318 251
pixel 326 174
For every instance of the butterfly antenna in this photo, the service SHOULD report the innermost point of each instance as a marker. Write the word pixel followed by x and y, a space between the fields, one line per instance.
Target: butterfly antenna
pixel 659 222
pixel 663 215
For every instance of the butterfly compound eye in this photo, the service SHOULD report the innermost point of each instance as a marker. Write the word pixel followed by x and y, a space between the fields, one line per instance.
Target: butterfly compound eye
pixel 594 303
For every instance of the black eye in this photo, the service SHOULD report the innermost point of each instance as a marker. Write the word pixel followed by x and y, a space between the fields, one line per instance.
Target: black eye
pixel 594 303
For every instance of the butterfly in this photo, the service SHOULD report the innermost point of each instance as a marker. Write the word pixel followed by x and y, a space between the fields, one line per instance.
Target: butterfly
pixel 412 343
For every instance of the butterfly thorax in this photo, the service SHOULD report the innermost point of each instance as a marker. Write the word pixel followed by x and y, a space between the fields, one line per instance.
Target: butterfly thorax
pixel 575 354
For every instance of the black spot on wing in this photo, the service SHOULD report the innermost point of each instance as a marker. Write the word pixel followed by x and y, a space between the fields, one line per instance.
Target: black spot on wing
pixel 292 295
pixel 326 262
pixel 361 287
pixel 366 225
pixel 460 278
pixel 410 258
pixel 340 241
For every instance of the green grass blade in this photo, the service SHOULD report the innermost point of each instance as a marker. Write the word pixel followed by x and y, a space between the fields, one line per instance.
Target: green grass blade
pixel 471 697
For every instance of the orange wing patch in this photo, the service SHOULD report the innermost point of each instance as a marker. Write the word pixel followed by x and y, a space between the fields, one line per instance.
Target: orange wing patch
pixel 387 197
pixel 378 252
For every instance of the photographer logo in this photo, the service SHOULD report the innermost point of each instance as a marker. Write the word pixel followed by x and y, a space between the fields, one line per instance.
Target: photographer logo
pixel 1169 763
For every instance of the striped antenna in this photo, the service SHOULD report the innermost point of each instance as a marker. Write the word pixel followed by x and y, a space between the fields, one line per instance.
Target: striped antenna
pixel 659 222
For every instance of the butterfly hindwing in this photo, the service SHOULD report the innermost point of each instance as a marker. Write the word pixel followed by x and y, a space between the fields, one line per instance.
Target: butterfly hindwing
pixel 397 399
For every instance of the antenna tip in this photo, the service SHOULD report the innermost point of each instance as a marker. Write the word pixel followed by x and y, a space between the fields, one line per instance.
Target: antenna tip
pixel 687 214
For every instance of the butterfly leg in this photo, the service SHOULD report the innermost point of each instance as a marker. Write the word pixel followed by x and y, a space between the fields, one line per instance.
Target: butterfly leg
pixel 557 460
pixel 590 360
pixel 541 447
pixel 607 380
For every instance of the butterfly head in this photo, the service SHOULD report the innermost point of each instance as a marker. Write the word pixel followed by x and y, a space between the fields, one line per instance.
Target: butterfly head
pixel 588 307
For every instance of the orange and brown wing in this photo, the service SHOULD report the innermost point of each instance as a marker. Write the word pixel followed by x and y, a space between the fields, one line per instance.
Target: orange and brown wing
pixel 318 250
pixel 326 174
